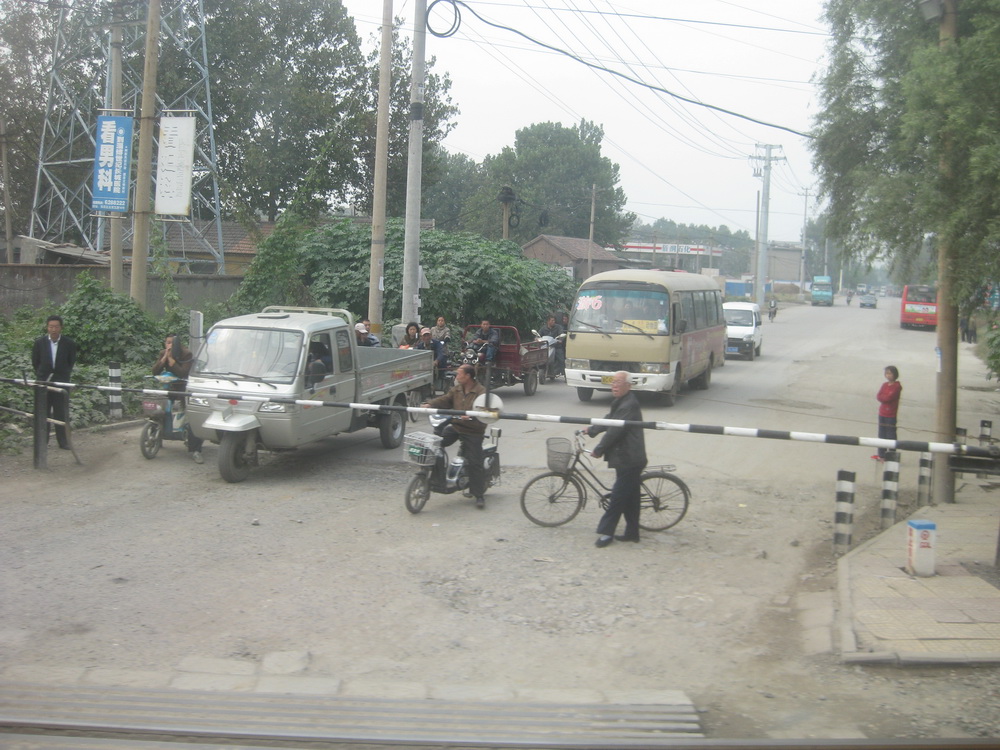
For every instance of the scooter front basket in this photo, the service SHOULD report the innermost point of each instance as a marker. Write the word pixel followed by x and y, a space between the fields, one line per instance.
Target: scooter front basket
pixel 422 448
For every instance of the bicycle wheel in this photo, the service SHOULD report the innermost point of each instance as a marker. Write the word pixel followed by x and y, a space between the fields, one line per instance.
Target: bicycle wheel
pixel 552 499
pixel 663 502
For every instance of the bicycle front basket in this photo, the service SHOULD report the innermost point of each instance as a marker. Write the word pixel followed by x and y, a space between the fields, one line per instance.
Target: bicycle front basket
pixel 560 453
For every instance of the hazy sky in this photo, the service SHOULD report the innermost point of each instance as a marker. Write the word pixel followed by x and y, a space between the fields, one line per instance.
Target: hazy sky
pixel 678 160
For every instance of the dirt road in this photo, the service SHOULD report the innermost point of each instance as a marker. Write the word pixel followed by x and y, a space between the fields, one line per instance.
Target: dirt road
pixel 136 564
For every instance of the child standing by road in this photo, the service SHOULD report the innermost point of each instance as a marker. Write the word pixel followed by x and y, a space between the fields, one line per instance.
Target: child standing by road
pixel 888 404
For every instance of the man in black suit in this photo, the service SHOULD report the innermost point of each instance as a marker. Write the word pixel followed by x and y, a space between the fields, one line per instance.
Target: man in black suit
pixel 53 357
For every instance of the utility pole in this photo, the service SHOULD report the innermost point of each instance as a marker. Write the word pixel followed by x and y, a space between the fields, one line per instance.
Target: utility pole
pixel 593 210
pixel 506 198
pixel 802 260
pixel 947 341
pixel 116 229
pixel 144 170
pixel 765 174
pixel 414 167
pixel 7 256
pixel 376 274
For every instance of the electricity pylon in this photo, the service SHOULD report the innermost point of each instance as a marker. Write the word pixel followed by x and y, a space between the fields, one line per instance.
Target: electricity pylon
pixel 80 87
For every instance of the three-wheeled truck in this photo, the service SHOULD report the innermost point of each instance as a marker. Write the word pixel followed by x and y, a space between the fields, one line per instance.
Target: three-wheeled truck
pixel 517 360
pixel 249 362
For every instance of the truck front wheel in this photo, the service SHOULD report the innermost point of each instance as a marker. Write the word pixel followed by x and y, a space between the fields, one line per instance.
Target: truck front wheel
pixel 390 426
pixel 237 453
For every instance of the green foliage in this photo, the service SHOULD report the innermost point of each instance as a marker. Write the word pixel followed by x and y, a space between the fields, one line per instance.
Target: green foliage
pixel 286 98
pixel 992 340
pixel 438 112
pixel 108 327
pixel 552 170
pixel 907 138
pixel 117 320
pixel 274 275
pixel 469 277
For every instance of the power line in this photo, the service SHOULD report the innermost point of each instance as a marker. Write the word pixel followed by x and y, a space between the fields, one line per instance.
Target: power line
pixel 455 4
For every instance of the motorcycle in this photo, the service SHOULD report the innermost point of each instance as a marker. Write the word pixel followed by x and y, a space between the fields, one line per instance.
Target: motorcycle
pixel 772 311
pixel 440 473
pixel 555 365
pixel 166 418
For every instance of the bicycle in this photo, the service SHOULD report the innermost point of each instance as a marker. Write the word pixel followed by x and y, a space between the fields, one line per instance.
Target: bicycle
pixel 557 496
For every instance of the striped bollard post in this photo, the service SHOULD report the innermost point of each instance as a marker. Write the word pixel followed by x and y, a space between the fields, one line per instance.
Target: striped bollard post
pixel 985 439
pixel 890 488
pixel 115 397
pixel 843 515
pixel 924 480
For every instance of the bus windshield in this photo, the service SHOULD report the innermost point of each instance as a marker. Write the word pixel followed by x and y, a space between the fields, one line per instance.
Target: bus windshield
pixel 629 311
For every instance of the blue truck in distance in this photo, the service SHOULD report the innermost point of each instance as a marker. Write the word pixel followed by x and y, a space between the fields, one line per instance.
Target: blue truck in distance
pixel 822 291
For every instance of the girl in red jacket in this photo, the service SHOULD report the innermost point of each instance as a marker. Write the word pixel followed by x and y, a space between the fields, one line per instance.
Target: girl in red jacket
pixel 888 404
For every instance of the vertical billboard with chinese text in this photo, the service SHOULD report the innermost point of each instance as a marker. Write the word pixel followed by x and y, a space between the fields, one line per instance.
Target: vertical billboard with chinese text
pixel 112 164
pixel 174 166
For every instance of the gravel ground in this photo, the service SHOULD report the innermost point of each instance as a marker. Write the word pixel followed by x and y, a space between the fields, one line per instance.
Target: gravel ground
pixel 135 564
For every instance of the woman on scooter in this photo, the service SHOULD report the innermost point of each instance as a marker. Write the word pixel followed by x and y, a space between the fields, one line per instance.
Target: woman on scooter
pixel 177 359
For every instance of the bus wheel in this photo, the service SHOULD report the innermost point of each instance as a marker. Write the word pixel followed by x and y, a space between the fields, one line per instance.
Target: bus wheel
pixel 585 394
pixel 705 379
pixel 670 397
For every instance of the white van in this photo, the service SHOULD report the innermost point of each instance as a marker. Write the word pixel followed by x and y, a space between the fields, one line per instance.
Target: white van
pixel 743 329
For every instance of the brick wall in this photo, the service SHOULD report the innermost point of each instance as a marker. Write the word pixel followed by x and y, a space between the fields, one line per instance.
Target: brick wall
pixel 49 286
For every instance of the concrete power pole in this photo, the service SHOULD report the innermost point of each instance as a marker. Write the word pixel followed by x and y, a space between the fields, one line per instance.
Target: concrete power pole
pixel 765 174
pixel 414 168
pixel 116 229
pixel 590 250
pixel 144 169
pixel 802 259
pixel 7 256
pixel 376 271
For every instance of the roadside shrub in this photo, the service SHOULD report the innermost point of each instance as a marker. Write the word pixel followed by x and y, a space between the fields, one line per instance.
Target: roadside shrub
pixel 109 327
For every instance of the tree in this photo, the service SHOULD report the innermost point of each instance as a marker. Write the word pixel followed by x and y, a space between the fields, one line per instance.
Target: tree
pixel 458 177
pixel 552 170
pixel 908 139
pixel 468 277
pixel 287 99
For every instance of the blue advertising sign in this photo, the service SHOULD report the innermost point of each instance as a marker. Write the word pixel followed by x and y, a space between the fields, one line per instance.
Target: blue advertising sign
pixel 112 163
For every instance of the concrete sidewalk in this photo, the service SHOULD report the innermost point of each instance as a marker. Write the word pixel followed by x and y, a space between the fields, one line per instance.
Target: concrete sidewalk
pixel 953 617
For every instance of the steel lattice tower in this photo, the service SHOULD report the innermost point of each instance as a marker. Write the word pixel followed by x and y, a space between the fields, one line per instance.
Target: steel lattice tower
pixel 80 87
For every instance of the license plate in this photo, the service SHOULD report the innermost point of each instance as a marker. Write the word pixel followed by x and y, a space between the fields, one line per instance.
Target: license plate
pixel 606 379
pixel 734 349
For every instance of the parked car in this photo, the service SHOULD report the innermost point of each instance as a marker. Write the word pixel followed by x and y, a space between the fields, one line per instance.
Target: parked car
pixel 869 300
pixel 744 336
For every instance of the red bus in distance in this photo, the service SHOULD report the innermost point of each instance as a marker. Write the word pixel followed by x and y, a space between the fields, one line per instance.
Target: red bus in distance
pixel 918 307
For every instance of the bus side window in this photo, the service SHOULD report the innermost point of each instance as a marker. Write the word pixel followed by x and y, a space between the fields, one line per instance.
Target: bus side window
pixel 700 310
pixel 686 320
pixel 679 323
pixel 714 308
